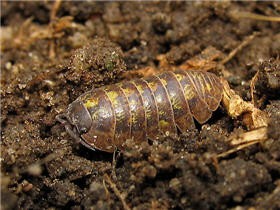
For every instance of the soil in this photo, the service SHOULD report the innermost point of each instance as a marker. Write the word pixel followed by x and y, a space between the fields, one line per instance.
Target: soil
pixel 51 53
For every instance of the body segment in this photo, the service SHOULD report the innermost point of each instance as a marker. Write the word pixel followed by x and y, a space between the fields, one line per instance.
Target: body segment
pixel 143 109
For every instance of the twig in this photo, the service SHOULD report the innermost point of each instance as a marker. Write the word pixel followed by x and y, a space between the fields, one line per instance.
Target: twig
pixel 116 191
pixel 106 189
pixel 52 49
pixel 239 47
pixel 235 149
pixel 21 34
pixel 54 9
pixel 35 168
pixel 254 16
pixel 53 13
pixel 252 86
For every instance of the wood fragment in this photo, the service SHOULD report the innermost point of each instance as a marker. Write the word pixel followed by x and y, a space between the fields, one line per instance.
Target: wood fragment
pixel 244 140
pixel 116 191
pixel 258 134
pixel 204 61
pixel 237 107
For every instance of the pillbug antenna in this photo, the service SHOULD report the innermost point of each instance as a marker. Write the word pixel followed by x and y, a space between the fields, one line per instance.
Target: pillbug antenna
pixel 61 118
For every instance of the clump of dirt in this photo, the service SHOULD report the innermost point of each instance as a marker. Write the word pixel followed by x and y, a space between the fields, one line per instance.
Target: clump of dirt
pixel 268 78
pixel 98 62
pixel 52 52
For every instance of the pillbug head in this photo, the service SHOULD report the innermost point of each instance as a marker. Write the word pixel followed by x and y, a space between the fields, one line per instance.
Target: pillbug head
pixel 78 116
pixel 76 120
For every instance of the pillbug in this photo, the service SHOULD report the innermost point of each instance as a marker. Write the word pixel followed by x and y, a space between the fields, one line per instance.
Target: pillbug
pixel 142 109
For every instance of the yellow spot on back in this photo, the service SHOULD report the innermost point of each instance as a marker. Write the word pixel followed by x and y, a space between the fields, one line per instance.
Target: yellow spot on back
pixel 148 114
pixel 140 88
pixel 161 113
pixel 94 116
pixel 126 91
pixel 120 117
pixel 163 123
pixel 134 119
pixel 112 95
pixel 208 87
pixel 163 82
pixel 200 79
pixel 179 77
pixel 91 103
pixel 175 103
pixel 188 92
pixel 153 85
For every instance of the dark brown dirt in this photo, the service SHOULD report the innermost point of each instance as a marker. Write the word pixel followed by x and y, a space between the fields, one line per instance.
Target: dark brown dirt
pixel 46 64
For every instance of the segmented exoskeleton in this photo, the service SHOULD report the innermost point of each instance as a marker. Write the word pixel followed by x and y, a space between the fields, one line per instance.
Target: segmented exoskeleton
pixel 142 109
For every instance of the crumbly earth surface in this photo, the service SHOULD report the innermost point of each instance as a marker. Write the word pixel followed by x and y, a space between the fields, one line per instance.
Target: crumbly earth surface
pixel 53 52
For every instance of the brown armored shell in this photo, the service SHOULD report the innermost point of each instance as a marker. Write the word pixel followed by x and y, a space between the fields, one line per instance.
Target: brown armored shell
pixel 149 107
